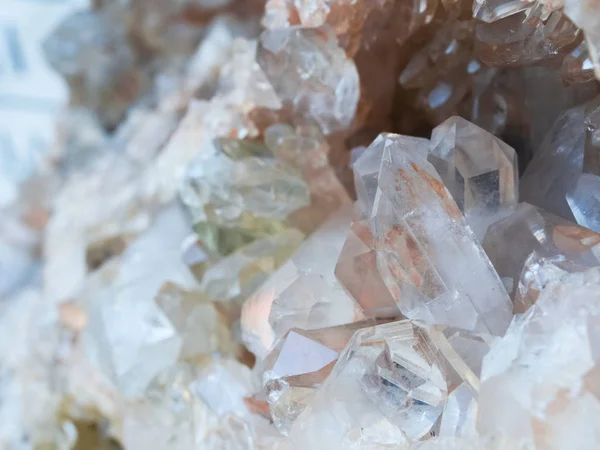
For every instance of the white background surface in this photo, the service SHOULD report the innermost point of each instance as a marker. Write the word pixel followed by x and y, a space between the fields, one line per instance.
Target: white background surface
pixel 30 92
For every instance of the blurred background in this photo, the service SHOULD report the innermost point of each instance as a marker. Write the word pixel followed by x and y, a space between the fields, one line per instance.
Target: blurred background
pixel 31 92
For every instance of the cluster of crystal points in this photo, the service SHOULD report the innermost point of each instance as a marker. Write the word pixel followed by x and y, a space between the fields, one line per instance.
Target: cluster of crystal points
pixel 186 269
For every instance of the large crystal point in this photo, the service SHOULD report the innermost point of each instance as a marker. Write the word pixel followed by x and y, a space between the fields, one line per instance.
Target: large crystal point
pixel 479 170
pixel 510 241
pixel 303 293
pixel 391 382
pixel 298 365
pixel 540 382
pixel 426 254
pixel 309 71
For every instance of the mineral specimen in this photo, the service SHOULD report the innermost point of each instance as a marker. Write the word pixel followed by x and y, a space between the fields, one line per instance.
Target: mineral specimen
pixel 563 177
pixel 423 244
pixel 205 281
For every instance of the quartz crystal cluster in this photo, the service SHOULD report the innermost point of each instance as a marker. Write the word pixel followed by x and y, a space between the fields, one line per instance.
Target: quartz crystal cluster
pixel 309 224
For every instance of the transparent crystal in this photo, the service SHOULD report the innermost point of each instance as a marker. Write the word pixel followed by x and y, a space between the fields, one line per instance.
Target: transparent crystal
pixel 298 365
pixel 134 337
pixel 303 293
pixel 240 273
pixel 460 413
pixel 585 15
pixel 493 10
pixel 202 328
pixel 591 156
pixel 584 200
pixel 357 271
pixel 394 375
pixel 309 70
pixel 236 192
pixel 510 242
pixel 525 37
pixel 306 148
pixel 420 233
pixel 577 66
pixel 478 169
pixel 556 165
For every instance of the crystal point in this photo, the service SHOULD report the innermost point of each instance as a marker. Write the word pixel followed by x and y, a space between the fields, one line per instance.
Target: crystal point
pixel 424 245
pixel 479 170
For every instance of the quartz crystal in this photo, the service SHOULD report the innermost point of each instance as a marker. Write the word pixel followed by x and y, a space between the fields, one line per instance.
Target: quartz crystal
pixel 450 52
pixel 478 169
pixel 392 381
pixel 134 337
pixel 236 191
pixel 563 177
pixel 298 365
pixel 310 71
pixel 539 383
pixel 525 37
pixel 584 200
pixel 419 234
pixel 239 274
pixel 510 242
pixel 556 165
pixel 303 293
